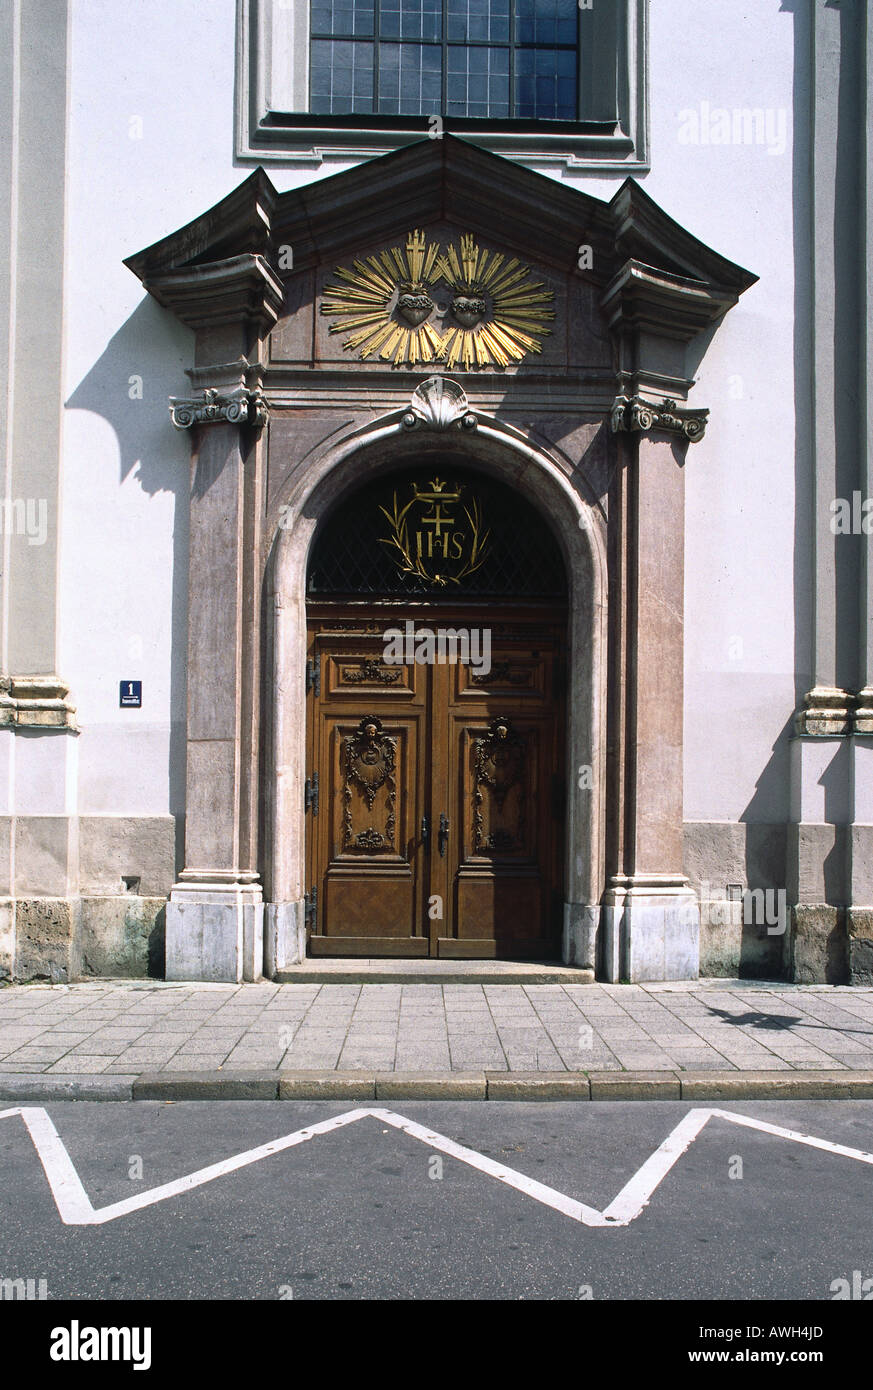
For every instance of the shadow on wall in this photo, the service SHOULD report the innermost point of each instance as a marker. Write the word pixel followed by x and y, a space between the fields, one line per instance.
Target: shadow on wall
pixel 128 386
pixel 838 813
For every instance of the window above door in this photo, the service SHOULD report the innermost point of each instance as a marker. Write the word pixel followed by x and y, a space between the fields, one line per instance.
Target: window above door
pixel 544 81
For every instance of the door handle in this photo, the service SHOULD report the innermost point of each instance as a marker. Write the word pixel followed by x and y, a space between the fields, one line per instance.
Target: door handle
pixel 443 833
pixel 425 830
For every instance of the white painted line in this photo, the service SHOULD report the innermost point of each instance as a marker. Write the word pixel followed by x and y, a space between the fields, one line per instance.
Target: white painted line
pixel 75 1208
pixel 635 1194
pixel 71 1199
pixel 825 1144
pixel 192 1180
pixel 548 1195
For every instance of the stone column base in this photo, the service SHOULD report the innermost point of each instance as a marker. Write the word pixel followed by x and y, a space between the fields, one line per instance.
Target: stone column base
pixel 36 702
pixel 827 712
pixel 215 933
pixel 579 940
pixel 651 929
pixel 284 936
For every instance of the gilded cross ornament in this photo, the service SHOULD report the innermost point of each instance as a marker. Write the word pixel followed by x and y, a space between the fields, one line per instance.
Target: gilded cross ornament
pixel 464 306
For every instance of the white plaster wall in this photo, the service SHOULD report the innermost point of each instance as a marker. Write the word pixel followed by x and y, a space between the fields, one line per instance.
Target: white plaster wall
pixel 170 63
pixel 149 148
pixel 740 481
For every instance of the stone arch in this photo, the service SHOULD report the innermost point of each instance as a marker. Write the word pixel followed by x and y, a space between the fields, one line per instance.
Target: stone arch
pixel 495 448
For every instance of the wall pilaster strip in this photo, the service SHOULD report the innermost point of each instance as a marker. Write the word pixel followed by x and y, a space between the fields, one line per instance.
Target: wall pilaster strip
pixel 864 712
pixel 35 366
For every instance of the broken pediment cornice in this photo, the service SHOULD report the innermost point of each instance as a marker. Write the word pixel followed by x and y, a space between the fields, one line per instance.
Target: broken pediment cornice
pixel 446 181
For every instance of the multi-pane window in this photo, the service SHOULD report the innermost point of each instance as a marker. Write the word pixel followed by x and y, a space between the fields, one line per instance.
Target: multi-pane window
pixel 470 59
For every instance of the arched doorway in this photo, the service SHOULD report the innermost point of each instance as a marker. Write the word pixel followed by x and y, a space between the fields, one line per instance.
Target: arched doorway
pixel 325 479
pixel 436 721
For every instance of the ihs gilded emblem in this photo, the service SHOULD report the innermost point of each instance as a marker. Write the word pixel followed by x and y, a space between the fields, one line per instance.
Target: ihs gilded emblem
pixel 432 541
pixel 391 306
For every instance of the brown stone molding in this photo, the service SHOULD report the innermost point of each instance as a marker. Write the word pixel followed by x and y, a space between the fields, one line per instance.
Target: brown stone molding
pixel 36 702
pixel 240 290
pixel 656 301
pixel 636 414
pixel 648 266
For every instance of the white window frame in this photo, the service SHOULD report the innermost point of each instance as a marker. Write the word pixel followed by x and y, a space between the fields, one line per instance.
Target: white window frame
pixel 269 90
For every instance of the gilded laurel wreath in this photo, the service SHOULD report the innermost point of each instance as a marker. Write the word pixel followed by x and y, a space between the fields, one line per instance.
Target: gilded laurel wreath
pixel 494 315
pixel 411 562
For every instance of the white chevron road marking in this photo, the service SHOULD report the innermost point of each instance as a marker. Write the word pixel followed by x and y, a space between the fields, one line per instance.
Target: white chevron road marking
pixel 75 1208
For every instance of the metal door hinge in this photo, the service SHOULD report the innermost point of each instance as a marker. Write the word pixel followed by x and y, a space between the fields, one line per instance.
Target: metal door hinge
pixel 313 676
pixel 310 794
pixel 311 908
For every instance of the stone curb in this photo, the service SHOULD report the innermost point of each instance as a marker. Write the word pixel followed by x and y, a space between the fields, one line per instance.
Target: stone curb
pixel 327 1085
pixel 398 1086
pixel 206 1085
pixel 520 1085
pixel 768 1085
pixel 635 1085
pixel 37 1086
pixel 457 1085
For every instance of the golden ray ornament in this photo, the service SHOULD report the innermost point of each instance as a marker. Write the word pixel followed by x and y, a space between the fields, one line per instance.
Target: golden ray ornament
pixel 498 312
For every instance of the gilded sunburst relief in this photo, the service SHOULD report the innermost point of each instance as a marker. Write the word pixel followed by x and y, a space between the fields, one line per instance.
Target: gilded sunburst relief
pixel 417 304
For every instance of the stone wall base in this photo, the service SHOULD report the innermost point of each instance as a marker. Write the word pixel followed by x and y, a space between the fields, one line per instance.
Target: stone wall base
pixel 819 945
pixel 60 940
pixel 859 923
pixel 730 947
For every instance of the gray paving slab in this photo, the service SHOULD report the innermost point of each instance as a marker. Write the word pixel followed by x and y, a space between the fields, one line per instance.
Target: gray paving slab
pixel 434 1026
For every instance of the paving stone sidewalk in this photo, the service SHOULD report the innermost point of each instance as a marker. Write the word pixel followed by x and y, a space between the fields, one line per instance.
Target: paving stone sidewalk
pixel 124 1028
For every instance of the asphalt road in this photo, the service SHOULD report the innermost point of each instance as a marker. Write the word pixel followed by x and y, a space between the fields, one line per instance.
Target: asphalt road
pixel 362 1212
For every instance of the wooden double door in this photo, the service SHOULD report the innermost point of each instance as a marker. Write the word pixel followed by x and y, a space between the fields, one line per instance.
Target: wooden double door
pixel 435 788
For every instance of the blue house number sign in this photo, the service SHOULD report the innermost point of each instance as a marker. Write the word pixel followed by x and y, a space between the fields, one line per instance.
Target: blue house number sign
pixel 130 695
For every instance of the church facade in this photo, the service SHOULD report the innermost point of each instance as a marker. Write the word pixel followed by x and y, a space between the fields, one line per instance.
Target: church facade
pixel 448 538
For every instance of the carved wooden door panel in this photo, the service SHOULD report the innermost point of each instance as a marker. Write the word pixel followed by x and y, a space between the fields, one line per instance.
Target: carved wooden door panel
pixel 366 794
pixel 435 821
pixel 503 870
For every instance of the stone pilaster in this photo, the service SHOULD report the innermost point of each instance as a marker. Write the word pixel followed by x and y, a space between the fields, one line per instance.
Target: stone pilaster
pixel 215 916
pixel 651 922
pixel 650 919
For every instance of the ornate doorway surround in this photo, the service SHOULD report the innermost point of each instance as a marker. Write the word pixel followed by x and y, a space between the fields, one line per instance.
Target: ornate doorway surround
pixel 498 451
pixel 438 301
